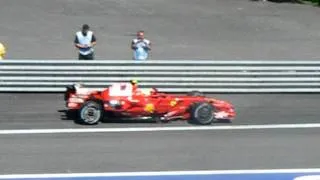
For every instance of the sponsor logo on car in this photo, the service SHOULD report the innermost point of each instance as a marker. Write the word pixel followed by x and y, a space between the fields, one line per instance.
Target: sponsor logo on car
pixel 173 103
pixel 149 108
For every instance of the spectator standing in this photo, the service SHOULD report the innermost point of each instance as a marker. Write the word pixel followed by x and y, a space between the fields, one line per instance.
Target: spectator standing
pixel 140 46
pixel 2 51
pixel 85 40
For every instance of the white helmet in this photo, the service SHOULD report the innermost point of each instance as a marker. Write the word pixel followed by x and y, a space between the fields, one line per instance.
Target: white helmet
pixel 78 85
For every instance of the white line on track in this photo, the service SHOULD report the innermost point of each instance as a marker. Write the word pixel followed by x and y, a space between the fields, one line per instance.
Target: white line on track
pixel 160 173
pixel 152 129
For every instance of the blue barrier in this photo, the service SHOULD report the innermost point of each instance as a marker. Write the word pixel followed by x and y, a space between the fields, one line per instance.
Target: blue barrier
pixel 309 174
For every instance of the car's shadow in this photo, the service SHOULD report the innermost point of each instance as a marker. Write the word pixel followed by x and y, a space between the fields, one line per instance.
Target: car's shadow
pixel 66 115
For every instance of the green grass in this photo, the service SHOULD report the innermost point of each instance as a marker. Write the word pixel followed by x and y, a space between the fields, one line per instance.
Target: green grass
pixel 313 2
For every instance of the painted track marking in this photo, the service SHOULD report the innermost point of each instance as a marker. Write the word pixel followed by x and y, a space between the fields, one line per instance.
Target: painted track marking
pixel 160 173
pixel 153 129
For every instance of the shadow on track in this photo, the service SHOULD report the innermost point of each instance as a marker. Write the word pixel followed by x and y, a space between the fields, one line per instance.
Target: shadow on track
pixel 66 115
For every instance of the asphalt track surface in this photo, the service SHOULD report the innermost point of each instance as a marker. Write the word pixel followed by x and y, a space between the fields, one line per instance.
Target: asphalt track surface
pixel 34 111
pixel 179 29
pixel 159 151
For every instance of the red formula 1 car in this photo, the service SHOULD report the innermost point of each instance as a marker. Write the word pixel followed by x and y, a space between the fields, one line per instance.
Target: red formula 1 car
pixel 123 100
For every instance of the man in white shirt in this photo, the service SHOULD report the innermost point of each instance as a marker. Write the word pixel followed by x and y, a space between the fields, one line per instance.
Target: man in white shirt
pixel 85 40
pixel 140 46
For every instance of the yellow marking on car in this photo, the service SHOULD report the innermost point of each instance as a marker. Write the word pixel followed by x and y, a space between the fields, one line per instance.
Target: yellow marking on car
pixel 149 108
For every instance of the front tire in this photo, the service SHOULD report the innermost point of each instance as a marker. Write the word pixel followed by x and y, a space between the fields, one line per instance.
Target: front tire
pixel 90 113
pixel 202 113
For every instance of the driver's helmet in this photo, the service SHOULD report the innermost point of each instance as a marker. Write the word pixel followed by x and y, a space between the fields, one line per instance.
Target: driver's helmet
pixel 134 82
pixel 78 85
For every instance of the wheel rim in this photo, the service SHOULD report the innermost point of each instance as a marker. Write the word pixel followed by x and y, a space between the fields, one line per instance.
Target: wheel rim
pixel 205 115
pixel 90 114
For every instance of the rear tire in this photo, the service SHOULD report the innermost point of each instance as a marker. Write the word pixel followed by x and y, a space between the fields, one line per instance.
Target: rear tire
pixel 202 113
pixel 91 113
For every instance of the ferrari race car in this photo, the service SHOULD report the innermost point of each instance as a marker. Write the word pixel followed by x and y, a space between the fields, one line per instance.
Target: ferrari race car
pixel 123 100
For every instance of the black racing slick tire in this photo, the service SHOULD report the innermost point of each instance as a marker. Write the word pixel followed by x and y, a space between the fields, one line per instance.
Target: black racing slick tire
pixel 91 113
pixel 202 113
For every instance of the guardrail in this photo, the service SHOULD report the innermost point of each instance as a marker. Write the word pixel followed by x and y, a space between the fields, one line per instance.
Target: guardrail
pixel 167 75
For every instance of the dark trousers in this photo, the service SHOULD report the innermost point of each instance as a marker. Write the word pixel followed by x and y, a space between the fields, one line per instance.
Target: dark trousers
pixel 86 57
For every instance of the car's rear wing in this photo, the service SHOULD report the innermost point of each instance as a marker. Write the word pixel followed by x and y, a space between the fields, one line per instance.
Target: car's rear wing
pixel 70 89
pixel 78 90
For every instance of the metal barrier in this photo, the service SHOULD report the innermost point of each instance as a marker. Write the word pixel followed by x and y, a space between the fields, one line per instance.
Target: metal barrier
pixel 167 75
